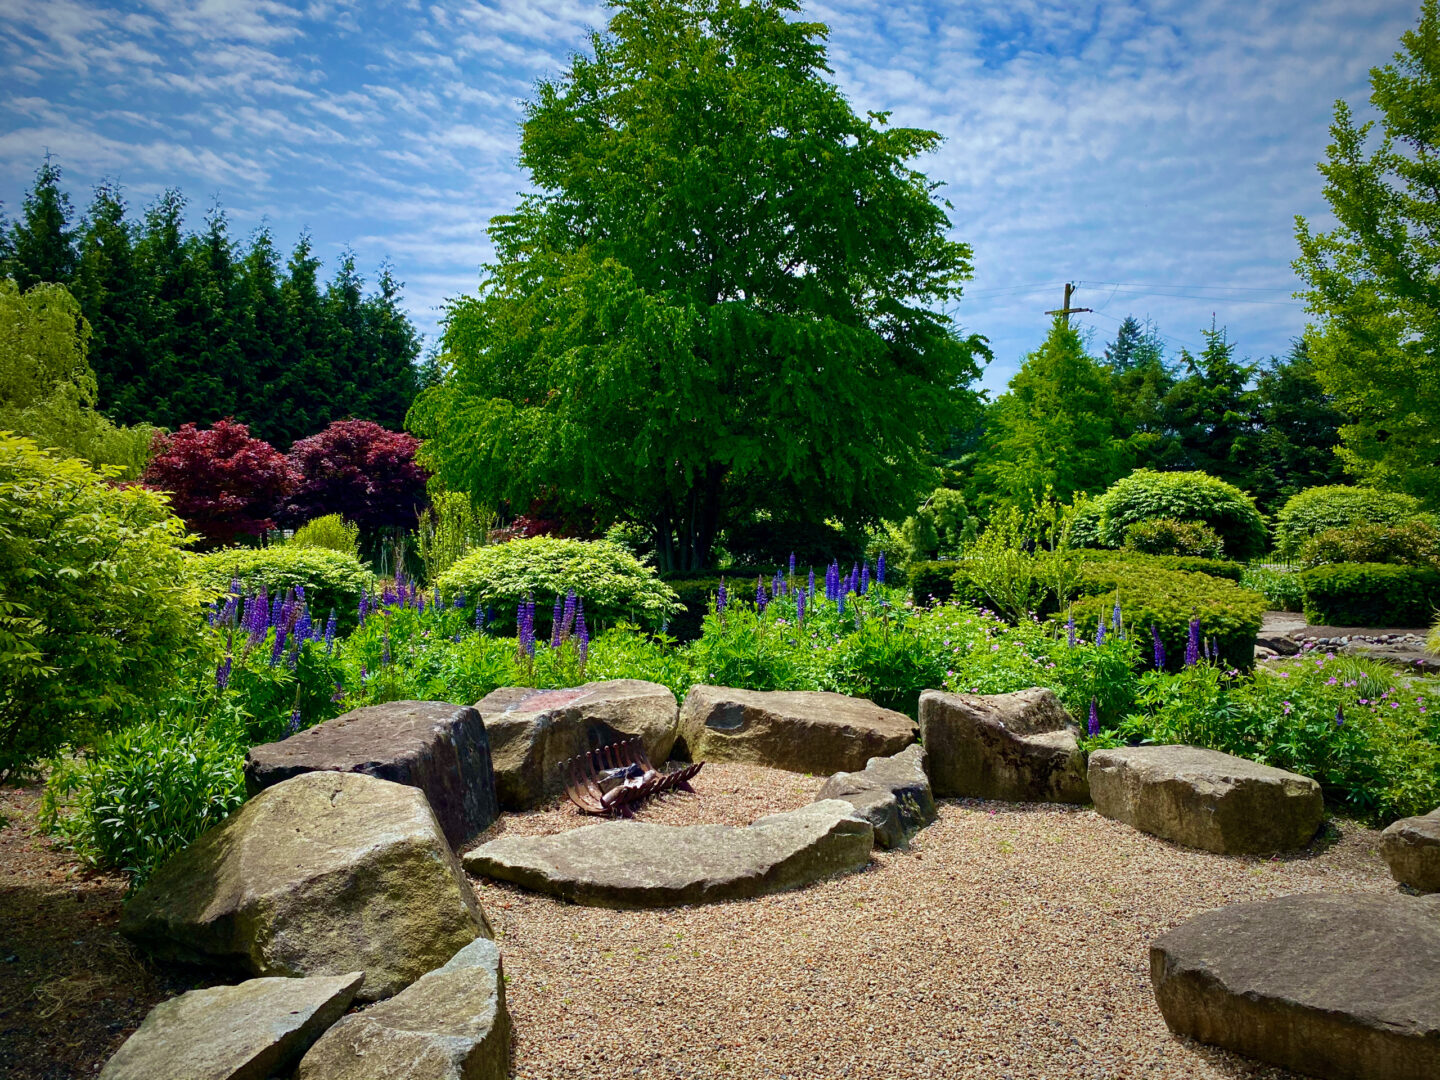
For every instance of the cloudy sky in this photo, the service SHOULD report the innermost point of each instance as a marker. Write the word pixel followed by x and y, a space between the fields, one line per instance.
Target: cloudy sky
pixel 1153 152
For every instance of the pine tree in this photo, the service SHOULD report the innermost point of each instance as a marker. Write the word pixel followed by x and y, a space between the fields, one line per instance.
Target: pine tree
pixel 42 242
pixel 1209 408
pixel 107 285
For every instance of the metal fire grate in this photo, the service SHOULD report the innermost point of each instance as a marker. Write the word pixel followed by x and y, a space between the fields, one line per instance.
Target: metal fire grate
pixel 612 779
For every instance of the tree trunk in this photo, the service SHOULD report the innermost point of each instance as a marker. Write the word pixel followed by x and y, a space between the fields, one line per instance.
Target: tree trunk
pixel 685 537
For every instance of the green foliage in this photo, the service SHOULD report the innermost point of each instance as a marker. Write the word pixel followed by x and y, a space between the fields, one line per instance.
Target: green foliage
pixel 97 607
pixel 1412 543
pixel 1012 569
pixel 718 249
pixel 1207 413
pixel 1281 588
pixel 331 532
pixel 941 527
pixel 934 581
pixel 612 582
pixel 1146 495
pixel 1374 280
pixel 1166 536
pixel 1228 569
pixel 449 530
pixel 1085 524
pixel 332 579
pixel 1370 594
pixel 1314 510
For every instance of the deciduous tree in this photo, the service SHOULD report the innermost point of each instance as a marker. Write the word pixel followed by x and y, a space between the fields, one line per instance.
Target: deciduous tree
pixel 222 482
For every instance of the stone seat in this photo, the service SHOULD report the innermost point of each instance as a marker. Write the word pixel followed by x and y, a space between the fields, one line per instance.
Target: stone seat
pixel 892 793
pixel 1411 848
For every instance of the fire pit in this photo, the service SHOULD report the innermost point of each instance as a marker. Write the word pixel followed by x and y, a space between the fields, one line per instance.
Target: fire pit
pixel 614 778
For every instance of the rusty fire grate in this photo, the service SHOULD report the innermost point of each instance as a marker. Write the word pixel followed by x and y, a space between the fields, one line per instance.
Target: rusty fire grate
pixel 612 779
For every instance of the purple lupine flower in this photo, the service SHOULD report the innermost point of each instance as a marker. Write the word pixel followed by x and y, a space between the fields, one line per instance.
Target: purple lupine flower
pixel 279 646
pixel 330 633
pixel 222 673
pixel 479 617
pixel 294 725
pixel 1070 629
pixel 276 607
pixel 293 656
pixel 582 633
pixel 1100 630
pixel 389 596
pixel 571 600
pixel 1159 647
pixel 840 603
pixel 1192 644
pixel 880 570
pixel 811 589
pixel 339 694
pixel 800 606
pixel 1115 621
pixel 760 600
pixel 435 600
pixel 1339 716
pixel 865 579
pixel 525 627
pixel 385 645
pixel 720 597
pixel 364 608
pixel 854 579
pixel 459 601
pixel 557 621
pixel 777 585
pixel 792 564
pixel 1094 719
pixel 304 629
pixel 419 602
pixel 300 593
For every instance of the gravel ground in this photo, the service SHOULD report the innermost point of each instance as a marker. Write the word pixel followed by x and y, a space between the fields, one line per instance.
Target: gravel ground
pixel 1010 941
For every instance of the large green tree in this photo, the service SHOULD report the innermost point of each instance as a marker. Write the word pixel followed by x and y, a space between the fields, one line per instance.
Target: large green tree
pixel 1374 280
pixel 1208 409
pixel 725 298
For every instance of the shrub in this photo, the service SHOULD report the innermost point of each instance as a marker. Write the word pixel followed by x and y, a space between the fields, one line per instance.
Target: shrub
pixel 360 470
pixel 1166 536
pixel 771 543
pixel 1168 600
pixel 96 608
pixel 1085 524
pixel 449 530
pixel 1411 543
pixel 1146 495
pixel 1370 594
pixel 331 532
pixel 1316 509
pixel 613 583
pixel 1281 588
pixel 934 580
pixel 332 579
pixel 223 483
pixel 1228 569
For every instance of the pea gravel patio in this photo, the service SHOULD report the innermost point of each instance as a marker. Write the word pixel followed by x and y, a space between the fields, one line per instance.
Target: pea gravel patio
pixel 1009 941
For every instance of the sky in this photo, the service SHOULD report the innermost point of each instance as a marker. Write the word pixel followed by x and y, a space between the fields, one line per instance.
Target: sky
pixel 1154 153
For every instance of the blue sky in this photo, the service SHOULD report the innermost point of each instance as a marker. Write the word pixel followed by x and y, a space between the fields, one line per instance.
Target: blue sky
pixel 1154 152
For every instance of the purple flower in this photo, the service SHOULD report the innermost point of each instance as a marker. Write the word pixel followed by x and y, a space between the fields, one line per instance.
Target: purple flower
pixel 1100 630
pixel 792 564
pixel 799 607
pixel 760 600
pixel 1192 644
pixel 459 601
pixel 880 570
pixel 330 632
pixel 1115 621
pixel 1339 716
pixel 364 608
pixel 840 604
pixel 777 586
pixel 279 646
pixel 339 694
pixel 479 617
pixel 1070 628
pixel 276 608
pixel 1094 719
pixel 419 602
pixel 294 725
pixel 811 590
pixel 557 621
pixel 525 627
pixel 304 629
pixel 720 598
pixel 1159 647
pixel 385 645
pixel 865 579
pixel 222 673
pixel 582 633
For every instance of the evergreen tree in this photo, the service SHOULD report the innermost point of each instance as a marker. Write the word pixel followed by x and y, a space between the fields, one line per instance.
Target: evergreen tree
pixel 1142 380
pixel 1208 410
pixel 108 286
pixel 1136 345
pixel 42 243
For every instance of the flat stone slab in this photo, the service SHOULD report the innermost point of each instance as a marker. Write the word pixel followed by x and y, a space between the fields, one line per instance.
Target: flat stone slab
pixel 246 1032
pixel 1331 985
pixel 1020 747
pixel 327 873
pixel 1411 848
pixel 1206 799
pixel 448 1025
pixel 630 864
pixel 441 749
pixel 801 731
pixel 892 793
pixel 533 732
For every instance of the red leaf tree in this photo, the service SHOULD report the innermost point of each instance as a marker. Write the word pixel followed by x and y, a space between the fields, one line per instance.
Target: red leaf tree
pixel 360 470
pixel 223 483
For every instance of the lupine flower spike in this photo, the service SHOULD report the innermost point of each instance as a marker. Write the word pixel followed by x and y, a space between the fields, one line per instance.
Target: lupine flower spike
pixel 1339 716
pixel 571 600
pixel 1094 719
pixel 811 590
pixel 880 570
pixel 557 621
pixel 1100 630
pixel 720 597
pixel 759 594
pixel 582 634
pixel 1159 647
pixel 222 673
pixel 1115 621
pixel 330 633
pixel 800 607
pixel 1070 628
pixel 1192 644
pixel 865 579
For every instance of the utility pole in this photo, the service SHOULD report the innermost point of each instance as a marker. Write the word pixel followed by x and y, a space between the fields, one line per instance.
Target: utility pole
pixel 1066 310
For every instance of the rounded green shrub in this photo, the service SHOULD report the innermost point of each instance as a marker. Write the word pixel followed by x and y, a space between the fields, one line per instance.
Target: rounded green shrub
pixel 1411 543
pixel 613 583
pixel 1220 568
pixel 332 579
pixel 96 607
pixel 1312 511
pixel 1370 594
pixel 1146 495
pixel 1166 536
pixel 331 532
pixel 1085 525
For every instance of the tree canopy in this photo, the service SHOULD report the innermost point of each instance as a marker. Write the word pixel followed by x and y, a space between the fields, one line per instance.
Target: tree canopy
pixel 725 299
pixel 1374 280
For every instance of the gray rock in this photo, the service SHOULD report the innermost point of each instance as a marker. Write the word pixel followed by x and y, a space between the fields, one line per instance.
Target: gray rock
pixel 245 1032
pixel 892 793
pixel 1411 847
pixel 1020 747
pixel 326 873
pixel 1206 799
pixel 1339 986
pixel 801 731
pixel 532 732
pixel 629 864
pixel 440 749
pixel 448 1025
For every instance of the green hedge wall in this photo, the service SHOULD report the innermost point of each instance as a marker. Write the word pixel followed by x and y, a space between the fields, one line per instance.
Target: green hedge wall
pixel 1370 594
pixel 332 579
pixel 1228 569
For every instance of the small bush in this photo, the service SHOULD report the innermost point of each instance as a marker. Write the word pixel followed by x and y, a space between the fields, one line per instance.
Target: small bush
pixel 934 580
pixel 1228 569
pixel 332 579
pixel 331 532
pixel 1370 594
pixel 1312 511
pixel 1146 495
pixel 1281 588
pixel 1411 543
pixel 614 584
pixel 1166 536
pixel 1085 525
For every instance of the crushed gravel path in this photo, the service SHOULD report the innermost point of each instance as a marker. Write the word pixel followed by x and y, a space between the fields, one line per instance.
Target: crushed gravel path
pixel 1009 941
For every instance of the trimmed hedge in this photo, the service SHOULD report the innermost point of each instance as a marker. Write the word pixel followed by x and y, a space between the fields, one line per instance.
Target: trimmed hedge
pixel 933 579
pixel 1227 569
pixel 1335 506
pixel 1411 543
pixel 1370 594
pixel 1146 495
pixel 332 579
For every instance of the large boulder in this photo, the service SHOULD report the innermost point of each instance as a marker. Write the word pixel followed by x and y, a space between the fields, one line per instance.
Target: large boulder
pixel 448 1025
pixel 1020 747
pixel 892 793
pixel 629 864
pixel 1411 847
pixel 801 731
pixel 247 1032
pixel 533 732
pixel 323 874
pixel 1341 986
pixel 1206 799
pixel 440 749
